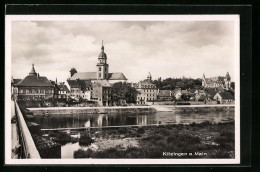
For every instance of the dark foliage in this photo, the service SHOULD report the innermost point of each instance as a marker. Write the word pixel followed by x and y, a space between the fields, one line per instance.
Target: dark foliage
pixel 172 83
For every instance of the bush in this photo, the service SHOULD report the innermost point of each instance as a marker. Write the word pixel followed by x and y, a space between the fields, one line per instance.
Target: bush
pixel 83 154
pixel 140 131
pixel 85 140
pixel 122 130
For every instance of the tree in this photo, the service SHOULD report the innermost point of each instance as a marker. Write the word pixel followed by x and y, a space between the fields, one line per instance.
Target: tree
pixel 123 91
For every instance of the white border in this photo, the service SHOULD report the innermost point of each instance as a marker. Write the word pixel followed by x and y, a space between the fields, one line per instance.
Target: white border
pixel 10 18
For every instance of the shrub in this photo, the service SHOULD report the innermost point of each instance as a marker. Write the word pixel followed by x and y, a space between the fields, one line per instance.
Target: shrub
pixel 122 130
pixel 140 131
pixel 83 154
pixel 85 140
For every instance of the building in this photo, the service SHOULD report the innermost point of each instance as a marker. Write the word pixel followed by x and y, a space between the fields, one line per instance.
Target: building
pixel 200 95
pixel 102 72
pixel 177 93
pixel 63 91
pixel 210 92
pixel 33 87
pixel 141 98
pixel 146 90
pixel 102 92
pixel 165 95
pixel 192 94
pixel 224 97
pixel 13 82
pixel 80 89
pixel 219 81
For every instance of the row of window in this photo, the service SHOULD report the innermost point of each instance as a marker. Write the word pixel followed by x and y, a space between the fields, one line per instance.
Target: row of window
pixel 148 86
pixel 35 91
pixel 149 90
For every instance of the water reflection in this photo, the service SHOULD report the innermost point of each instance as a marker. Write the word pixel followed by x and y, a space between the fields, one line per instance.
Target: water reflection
pixel 99 120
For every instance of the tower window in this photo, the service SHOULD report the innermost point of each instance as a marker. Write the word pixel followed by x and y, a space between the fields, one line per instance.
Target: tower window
pixel 99 68
pixel 105 75
pixel 105 69
pixel 100 75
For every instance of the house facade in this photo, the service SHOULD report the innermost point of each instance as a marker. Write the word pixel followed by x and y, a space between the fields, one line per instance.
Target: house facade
pixel 224 97
pixel 33 87
pixel 146 89
pixel 102 92
pixel 63 91
pixel 165 95
pixel 80 89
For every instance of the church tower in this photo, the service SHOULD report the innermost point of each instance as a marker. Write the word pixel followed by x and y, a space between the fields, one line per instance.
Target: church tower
pixel 33 73
pixel 102 66
pixel 149 77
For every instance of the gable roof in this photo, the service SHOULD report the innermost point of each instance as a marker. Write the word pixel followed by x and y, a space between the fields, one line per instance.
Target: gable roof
pixel 116 76
pixel 163 93
pixel 93 76
pixel 73 84
pixel 84 76
pixel 63 87
pixel 211 92
pixel 82 84
pixel 34 81
pixel 15 81
pixel 226 95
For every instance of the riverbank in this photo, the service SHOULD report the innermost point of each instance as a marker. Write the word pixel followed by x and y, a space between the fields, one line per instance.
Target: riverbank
pixel 130 109
pixel 91 110
pixel 203 140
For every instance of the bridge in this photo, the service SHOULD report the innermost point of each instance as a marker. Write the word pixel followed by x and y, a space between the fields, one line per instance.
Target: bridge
pixel 28 148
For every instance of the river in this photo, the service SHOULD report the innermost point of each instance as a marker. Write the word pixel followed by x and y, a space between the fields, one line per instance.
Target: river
pixel 99 120
pixel 116 119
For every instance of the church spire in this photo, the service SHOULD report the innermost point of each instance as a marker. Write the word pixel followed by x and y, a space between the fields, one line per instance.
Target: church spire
pixel 102 47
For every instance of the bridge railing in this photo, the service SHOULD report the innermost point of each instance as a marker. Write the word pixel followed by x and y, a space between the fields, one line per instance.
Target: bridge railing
pixel 30 150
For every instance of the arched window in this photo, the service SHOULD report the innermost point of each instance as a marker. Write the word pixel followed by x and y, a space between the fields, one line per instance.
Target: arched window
pixel 105 69
pixel 99 68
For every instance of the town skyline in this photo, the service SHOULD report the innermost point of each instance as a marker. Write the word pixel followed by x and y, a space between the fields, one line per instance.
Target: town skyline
pixel 165 49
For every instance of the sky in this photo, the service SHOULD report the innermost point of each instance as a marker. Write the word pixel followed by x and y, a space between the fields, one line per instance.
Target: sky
pixel 135 48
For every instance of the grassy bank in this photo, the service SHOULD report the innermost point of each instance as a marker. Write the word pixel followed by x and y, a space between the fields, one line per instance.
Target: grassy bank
pixel 203 140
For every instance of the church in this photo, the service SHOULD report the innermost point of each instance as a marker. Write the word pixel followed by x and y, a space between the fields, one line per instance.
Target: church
pixel 102 72
pixel 218 81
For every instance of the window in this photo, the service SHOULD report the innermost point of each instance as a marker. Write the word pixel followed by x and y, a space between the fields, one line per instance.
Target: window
pixel 105 69
pixel 105 74
pixel 99 68
pixel 21 90
pixel 100 75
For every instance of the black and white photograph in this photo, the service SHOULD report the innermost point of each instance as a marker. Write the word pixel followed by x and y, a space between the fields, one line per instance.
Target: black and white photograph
pixel 122 89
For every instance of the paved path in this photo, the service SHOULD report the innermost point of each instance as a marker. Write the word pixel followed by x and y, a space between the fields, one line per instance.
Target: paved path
pixel 15 138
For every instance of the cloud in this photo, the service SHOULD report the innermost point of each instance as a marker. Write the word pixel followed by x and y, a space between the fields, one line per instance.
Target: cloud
pixel 166 49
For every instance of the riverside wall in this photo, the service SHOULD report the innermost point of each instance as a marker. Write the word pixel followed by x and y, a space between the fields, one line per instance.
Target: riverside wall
pixel 203 108
pixel 89 110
